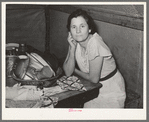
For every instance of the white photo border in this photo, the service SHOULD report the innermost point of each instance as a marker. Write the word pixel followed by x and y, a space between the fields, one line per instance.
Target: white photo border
pixel 64 114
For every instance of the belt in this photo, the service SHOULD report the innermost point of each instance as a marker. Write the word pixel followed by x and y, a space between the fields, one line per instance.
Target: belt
pixel 109 76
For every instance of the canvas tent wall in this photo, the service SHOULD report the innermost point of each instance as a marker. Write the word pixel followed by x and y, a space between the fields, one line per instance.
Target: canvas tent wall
pixel 26 24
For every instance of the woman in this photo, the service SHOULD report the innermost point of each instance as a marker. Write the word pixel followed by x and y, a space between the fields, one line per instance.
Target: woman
pixel 95 61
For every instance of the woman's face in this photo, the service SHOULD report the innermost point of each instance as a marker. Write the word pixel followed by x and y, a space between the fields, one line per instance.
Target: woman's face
pixel 79 29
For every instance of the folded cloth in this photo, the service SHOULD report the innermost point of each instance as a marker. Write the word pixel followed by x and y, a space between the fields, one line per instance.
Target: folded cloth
pixel 29 92
pixel 20 103
pixel 23 93
pixel 44 102
pixel 28 96
pixel 71 83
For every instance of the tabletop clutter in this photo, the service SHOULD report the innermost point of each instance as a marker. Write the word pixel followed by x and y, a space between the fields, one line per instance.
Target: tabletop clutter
pixel 37 77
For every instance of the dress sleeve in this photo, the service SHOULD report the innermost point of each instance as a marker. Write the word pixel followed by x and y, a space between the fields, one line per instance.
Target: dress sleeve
pixel 97 47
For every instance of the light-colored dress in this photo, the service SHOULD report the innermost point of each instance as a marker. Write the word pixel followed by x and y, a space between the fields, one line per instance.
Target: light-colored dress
pixel 112 94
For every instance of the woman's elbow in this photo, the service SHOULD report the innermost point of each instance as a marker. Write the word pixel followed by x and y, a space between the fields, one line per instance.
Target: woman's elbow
pixel 66 71
pixel 94 80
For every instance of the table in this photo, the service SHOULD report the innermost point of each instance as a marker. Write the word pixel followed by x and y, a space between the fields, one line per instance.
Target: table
pixel 76 99
pixel 73 98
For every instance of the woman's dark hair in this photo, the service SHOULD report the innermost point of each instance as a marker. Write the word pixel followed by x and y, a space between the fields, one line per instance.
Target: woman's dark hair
pixel 89 20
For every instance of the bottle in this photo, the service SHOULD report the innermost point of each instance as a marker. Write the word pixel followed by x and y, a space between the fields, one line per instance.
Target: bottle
pixel 14 51
pixel 17 50
pixel 11 58
pixel 22 51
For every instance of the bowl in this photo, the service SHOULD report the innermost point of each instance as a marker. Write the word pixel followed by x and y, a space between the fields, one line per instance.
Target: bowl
pixel 48 82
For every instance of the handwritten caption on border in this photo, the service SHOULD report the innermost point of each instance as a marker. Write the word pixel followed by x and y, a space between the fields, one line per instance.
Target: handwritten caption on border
pixel 73 110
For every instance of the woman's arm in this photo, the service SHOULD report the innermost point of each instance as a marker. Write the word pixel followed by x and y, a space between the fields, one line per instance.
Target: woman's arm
pixel 95 67
pixel 69 63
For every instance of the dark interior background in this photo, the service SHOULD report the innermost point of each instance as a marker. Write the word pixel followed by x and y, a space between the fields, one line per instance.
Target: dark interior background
pixel 121 27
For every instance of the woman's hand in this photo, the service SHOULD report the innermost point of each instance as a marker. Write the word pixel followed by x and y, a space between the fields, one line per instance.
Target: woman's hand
pixel 69 63
pixel 72 42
